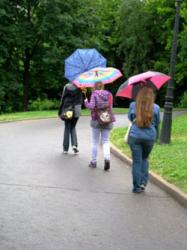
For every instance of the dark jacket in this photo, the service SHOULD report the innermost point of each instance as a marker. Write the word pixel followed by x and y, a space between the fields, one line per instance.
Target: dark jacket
pixel 71 96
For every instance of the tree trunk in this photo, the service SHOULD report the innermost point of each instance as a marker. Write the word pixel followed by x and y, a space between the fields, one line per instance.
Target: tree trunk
pixel 26 79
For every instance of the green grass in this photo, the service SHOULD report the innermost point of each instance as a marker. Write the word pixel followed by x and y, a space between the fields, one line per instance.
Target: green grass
pixel 45 114
pixel 48 114
pixel 169 161
pixel 27 115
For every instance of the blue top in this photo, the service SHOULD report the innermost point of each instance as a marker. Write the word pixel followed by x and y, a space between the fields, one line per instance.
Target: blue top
pixel 149 133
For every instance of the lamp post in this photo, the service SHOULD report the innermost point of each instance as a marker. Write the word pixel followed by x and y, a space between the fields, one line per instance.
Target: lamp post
pixel 165 136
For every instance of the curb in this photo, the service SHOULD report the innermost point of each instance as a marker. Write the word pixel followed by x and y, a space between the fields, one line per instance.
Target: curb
pixel 169 188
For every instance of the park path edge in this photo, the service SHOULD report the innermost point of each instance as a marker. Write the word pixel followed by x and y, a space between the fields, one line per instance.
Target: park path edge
pixel 169 188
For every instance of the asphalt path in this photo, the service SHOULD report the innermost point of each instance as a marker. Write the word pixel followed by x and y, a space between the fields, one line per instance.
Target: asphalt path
pixel 52 201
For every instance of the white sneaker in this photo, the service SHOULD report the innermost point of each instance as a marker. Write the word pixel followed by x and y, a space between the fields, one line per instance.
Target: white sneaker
pixel 75 149
pixel 142 186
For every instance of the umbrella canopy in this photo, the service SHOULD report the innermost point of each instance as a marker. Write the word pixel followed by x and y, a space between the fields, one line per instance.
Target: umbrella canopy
pixel 82 60
pixel 105 75
pixel 152 79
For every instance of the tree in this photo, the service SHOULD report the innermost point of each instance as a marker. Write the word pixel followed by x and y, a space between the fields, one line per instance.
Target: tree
pixel 147 32
pixel 138 40
pixel 41 33
pixel 37 35
pixel 181 73
pixel 105 35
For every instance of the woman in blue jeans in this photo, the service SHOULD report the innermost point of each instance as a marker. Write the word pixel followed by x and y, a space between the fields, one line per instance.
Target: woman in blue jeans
pixel 145 117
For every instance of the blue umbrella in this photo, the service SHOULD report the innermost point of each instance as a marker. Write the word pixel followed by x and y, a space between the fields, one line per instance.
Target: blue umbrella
pixel 82 60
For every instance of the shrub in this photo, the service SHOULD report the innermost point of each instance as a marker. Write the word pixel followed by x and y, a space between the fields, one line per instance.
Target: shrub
pixel 45 104
pixel 183 102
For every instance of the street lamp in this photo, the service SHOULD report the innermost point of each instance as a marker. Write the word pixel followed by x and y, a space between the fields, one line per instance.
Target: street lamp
pixel 165 136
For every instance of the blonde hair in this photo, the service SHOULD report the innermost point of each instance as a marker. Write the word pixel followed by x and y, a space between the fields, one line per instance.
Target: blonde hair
pixel 99 86
pixel 144 107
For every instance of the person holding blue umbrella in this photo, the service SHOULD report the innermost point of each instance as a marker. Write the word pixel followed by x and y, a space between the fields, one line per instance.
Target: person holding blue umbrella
pixel 71 101
pixel 69 112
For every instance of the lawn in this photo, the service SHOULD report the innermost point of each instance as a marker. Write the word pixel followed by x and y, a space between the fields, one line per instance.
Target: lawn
pixel 48 114
pixel 169 161
pixel 45 114
pixel 27 115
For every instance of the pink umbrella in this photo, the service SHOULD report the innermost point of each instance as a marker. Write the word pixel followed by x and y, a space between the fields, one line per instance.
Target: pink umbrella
pixel 153 79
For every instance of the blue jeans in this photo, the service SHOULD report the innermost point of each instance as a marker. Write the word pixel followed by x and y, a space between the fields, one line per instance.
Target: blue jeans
pixel 140 149
pixel 70 132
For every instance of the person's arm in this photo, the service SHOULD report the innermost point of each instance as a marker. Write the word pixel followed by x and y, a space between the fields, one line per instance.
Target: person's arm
pixel 84 91
pixel 79 97
pixel 131 112
pixel 158 116
pixel 90 105
pixel 157 123
pixel 111 101
pixel 62 101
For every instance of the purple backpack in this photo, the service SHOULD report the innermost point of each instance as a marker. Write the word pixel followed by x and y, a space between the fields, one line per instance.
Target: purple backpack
pixel 103 111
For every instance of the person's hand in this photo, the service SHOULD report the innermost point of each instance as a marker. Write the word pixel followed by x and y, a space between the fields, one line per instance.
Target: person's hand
pixel 84 91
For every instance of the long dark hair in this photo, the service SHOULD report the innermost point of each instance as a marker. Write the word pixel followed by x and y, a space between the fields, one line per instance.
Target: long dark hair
pixel 144 107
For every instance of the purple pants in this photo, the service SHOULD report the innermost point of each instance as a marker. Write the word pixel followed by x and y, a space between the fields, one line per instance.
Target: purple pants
pixel 105 140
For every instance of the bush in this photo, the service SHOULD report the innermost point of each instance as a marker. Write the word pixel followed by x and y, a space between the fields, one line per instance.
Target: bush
pixel 45 104
pixel 183 102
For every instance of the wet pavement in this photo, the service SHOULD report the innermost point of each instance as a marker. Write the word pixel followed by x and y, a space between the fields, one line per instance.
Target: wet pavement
pixel 54 201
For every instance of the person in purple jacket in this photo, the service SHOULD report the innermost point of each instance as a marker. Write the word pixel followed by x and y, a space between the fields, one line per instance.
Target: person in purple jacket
pixel 99 99
pixel 145 117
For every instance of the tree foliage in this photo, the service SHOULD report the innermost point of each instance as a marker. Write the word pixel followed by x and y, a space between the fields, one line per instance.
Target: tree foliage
pixel 37 35
pixel 147 34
